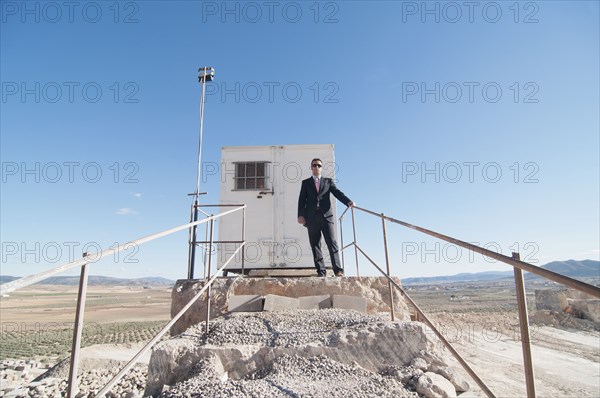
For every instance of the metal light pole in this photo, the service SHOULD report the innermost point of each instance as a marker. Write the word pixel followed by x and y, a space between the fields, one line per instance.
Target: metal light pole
pixel 206 74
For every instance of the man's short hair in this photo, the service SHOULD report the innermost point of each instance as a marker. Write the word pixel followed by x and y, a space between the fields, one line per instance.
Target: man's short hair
pixel 311 162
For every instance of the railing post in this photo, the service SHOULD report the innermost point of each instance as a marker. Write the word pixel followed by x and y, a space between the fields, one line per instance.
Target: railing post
pixel 76 344
pixel 524 328
pixel 355 244
pixel 204 255
pixel 387 263
pixel 209 265
pixel 192 238
pixel 342 241
pixel 243 237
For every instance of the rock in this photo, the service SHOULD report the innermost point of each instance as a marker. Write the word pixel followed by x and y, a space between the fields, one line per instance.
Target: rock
pixel 244 343
pixel 432 385
pixel 553 300
pixel 570 301
pixel 374 289
pixel 420 363
pixel 459 383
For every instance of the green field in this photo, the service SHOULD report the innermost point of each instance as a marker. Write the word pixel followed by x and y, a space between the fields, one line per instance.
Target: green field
pixel 53 341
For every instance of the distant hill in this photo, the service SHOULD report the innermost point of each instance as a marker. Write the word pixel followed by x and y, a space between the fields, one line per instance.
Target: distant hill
pixel 463 277
pixel 573 268
pixel 97 280
pixel 7 278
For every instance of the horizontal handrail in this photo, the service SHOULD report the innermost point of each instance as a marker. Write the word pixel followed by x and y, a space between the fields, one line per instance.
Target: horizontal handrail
pixel 455 353
pixel 164 330
pixel 34 278
pixel 553 276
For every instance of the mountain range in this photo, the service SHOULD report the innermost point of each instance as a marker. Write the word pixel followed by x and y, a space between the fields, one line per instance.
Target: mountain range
pixel 97 280
pixel 573 268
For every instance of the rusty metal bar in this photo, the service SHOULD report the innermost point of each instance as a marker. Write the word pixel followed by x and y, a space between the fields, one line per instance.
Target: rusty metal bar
pixel 219 241
pixel 223 205
pixel 524 328
pixel 422 315
pixel 243 237
pixel 209 266
pixel 191 254
pixel 348 245
pixel 354 232
pixel 204 253
pixel 342 244
pixel 344 212
pixel 387 265
pixel 553 276
pixel 76 343
pixel 164 330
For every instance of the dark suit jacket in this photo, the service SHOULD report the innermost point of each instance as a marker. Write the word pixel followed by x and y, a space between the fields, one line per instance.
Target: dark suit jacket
pixel 310 199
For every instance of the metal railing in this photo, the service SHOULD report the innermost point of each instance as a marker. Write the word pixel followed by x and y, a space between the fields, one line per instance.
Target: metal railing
pixel 79 314
pixel 518 266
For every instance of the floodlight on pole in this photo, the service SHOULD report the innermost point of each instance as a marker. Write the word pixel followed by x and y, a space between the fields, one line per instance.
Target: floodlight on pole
pixel 205 74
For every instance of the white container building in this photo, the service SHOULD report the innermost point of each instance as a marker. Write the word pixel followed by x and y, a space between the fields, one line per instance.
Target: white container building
pixel 267 179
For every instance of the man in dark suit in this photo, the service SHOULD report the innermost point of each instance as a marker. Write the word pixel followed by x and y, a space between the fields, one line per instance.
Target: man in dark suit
pixel 315 213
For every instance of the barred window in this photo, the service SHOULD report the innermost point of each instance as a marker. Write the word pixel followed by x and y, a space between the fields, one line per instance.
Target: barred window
pixel 250 175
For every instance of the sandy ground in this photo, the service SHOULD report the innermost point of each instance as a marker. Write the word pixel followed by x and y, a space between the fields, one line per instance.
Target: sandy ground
pixel 566 363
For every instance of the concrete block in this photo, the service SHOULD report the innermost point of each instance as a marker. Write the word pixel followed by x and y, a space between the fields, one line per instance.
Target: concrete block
pixel 245 303
pixel 274 302
pixel 315 302
pixel 356 303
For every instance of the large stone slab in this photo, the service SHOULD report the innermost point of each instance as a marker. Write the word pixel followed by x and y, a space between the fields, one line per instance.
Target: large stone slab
pixel 349 303
pixel 245 303
pixel 374 289
pixel 274 302
pixel 315 302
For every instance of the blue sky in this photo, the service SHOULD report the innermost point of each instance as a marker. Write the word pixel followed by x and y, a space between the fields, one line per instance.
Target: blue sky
pixel 480 122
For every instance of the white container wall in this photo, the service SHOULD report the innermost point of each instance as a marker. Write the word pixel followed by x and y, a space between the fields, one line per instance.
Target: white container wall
pixel 267 179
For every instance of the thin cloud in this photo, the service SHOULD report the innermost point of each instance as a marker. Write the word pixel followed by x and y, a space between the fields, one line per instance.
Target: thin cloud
pixel 137 194
pixel 125 211
pixel 593 252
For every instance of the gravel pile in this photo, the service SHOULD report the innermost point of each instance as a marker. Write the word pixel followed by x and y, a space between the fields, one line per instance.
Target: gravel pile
pixel 287 376
pixel 282 329
pixel 54 382
pixel 292 376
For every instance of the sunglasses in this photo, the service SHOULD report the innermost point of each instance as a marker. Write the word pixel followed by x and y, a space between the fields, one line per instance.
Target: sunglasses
pixel 316 165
